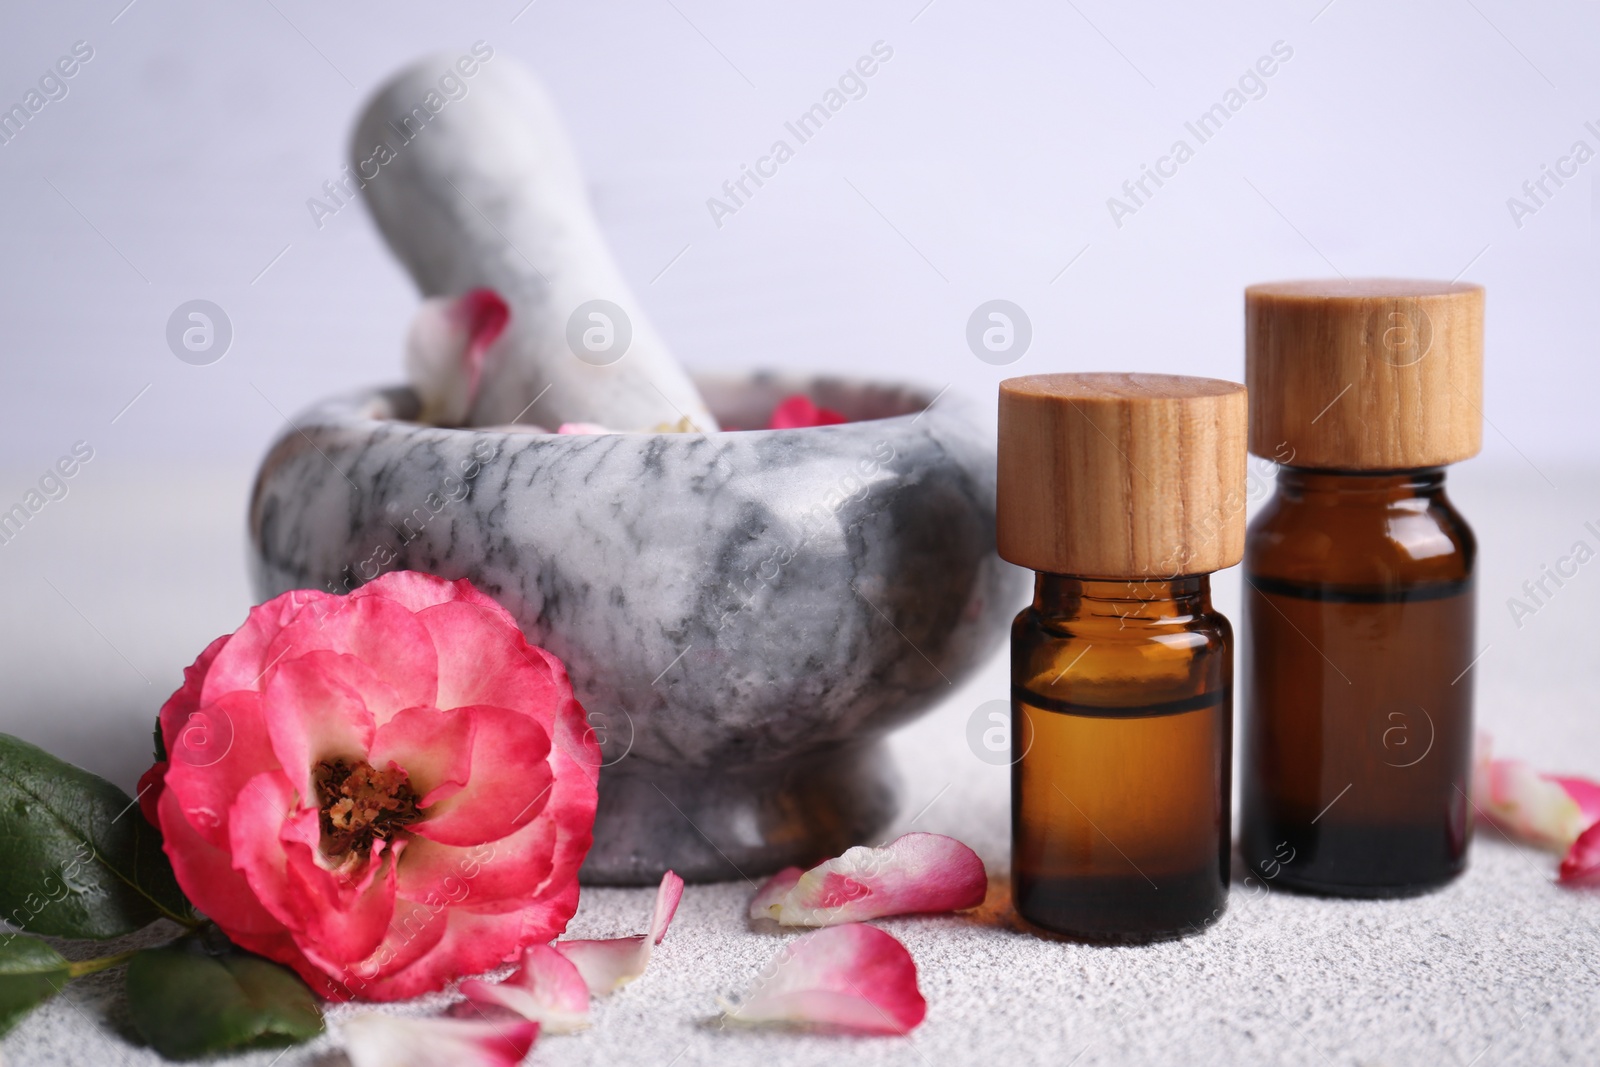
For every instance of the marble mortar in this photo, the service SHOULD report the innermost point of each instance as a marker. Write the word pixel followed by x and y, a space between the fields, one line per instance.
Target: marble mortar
pixel 744 614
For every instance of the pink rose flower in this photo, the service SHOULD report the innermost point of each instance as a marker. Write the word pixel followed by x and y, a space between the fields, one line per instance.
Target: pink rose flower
pixel 385 791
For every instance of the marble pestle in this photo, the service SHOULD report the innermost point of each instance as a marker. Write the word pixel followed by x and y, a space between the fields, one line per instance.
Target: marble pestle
pixel 483 189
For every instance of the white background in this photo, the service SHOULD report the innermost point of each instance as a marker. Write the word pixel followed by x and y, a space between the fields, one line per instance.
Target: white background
pixel 977 166
pixel 981 157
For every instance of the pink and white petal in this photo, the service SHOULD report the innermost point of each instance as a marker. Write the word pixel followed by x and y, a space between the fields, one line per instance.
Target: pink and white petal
pixel 1585 793
pixel 849 979
pixel 332 915
pixel 915 874
pixel 513 868
pixel 1581 864
pixel 433 747
pixel 417 591
pixel 518 865
pixel 582 428
pixel 769 898
pixel 384 635
pixel 186 699
pixel 314 713
pixel 608 965
pixel 546 989
pixel 346 913
pixel 484 659
pixel 415 930
pixel 445 352
pixel 243 661
pixel 472 941
pixel 1530 805
pixel 214 751
pixel 668 895
pixel 377 1039
pixel 510 782
pixel 207 877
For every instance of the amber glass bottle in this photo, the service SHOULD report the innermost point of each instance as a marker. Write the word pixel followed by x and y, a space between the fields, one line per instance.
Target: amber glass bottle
pixel 1124 492
pixel 1359 602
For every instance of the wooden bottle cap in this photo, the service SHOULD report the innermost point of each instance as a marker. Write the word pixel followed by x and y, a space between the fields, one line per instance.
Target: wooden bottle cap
pixel 1121 475
pixel 1370 374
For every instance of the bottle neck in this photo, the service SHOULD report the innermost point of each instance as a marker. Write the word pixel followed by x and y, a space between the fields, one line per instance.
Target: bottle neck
pixel 1374 488
pixel 1122 603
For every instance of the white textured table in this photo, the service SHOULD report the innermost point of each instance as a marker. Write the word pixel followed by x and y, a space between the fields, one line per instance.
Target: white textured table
pixel 131 574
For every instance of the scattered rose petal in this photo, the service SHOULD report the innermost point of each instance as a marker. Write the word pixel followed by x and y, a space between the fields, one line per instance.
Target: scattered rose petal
pixel 445 351
pixel 1585 794
pixel 769 898
pixel 376 1039
pixel 851 979
pixel 1581 864
pixel 798 411
pixel 608 965
pixel 582 428
pixel 1541 809
pixel 547 989
pixel 914 874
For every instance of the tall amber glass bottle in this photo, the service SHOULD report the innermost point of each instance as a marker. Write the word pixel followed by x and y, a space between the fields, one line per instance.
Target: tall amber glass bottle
pixel 1359 602
pixel 1124 492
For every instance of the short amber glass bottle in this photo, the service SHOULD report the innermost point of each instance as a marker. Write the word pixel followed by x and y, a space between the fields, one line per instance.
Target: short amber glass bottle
pixel 1124 492
pixel 1359 601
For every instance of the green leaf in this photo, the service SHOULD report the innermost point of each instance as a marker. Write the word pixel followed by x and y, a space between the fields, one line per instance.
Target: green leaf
pixel 31 972
pixel 77 859
pixel 199 996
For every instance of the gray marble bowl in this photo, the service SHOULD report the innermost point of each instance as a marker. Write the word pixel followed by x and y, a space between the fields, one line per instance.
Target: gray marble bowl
pixel 743 614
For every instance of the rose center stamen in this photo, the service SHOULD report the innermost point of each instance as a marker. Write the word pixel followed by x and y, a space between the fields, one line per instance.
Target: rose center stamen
pixel 360 804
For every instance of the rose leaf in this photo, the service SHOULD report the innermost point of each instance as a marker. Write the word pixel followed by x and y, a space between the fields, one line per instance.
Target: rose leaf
pixel 31 972
pixel 77 859
pixel 199 996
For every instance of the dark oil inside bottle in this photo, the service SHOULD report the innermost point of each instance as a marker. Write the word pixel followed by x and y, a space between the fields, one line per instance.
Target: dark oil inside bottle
pixel 1120 799
pixel 1359 614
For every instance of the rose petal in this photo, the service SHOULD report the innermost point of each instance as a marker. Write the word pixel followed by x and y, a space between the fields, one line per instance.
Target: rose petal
pixel 445 352
pixel 484 659
pixel 546 989
pixel 769 897
pixel 149 795
pixel 797 412
pixel 583 428
pixel 417 591
pixel 187 699
pixel 335 915
pixel 314 713
pixel 506 759
pixel 1535 807
pixel 212 750
pixel 208 879
pixel 433 747
pixel 386 637
pixel 242 661
pixel 608 965
pixel 1584 793
pixel 472 940
pixel 852 978
pixel 374 1039
pixel 914 874
pixel 1581 864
